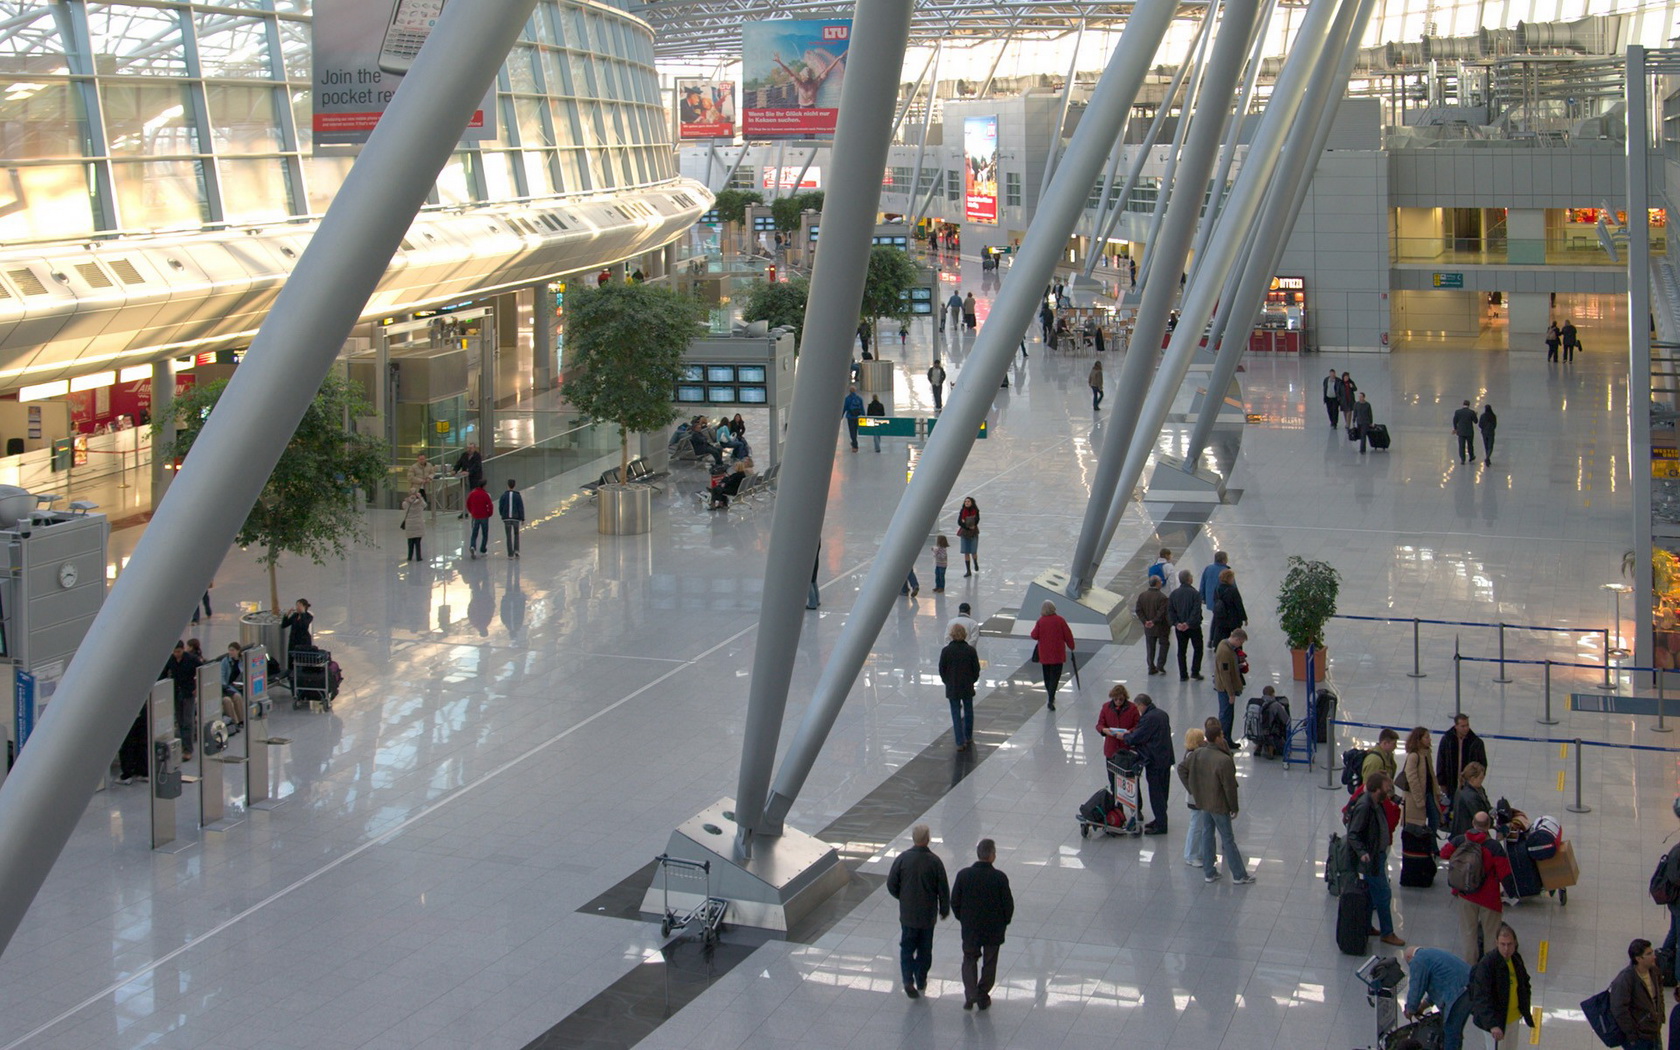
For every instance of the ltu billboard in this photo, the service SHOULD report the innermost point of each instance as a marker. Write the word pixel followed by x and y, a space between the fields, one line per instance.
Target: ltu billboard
pixel 792 72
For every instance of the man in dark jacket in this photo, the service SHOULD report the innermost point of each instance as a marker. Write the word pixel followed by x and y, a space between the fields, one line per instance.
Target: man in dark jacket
pixel 959 669
pixel 1151 609
pixel 1370 835
pixel 511 505
pixel 981 901
pixel 1464 428
pixel 1459 748
pixel 917 882
pixel 1362 420
pixel 1490 990
pixel 1152 740
pixel 1184 609
pixel 1636 998
pixel 182 670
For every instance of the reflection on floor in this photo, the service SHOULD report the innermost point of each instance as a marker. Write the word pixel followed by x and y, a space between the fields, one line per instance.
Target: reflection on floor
pixel 517 738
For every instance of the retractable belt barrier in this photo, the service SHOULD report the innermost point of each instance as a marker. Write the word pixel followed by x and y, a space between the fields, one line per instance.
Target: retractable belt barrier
pixel 1417 669
pixel 1580 745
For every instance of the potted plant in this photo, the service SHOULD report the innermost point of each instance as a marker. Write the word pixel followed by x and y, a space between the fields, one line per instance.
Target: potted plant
pixel 627 343
pixel 1306 601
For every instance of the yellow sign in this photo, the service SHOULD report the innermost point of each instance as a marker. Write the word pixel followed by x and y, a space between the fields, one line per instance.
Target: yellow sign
pixel 442 426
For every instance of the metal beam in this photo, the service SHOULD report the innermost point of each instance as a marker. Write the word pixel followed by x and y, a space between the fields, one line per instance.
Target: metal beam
pixel 994 349
pixel 1061 116
pixel 1170 184
pixel 879 31
pixel 49 787
pixel 1638 88
pixel 1105 226
pixel 1134 381
pixel 921 142
pixel 1233 135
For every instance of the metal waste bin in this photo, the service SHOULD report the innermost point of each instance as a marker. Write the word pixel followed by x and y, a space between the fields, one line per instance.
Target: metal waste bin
pixel 263 628
pixel 876 377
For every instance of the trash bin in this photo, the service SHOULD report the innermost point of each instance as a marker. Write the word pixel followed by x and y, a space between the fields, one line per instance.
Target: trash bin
pixel 263 628
pixel 876 377
pixel 1326 711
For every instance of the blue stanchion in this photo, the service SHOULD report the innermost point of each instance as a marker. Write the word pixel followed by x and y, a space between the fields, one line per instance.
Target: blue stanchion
pixel 1467 623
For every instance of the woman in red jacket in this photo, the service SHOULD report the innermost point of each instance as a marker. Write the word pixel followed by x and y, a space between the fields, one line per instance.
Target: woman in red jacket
pixel 1118 713
pixel 1054 638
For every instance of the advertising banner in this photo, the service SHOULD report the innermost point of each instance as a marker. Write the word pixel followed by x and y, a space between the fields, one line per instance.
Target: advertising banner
pixel 980 174
pixel 792 72
pixel 773 178
pixel 705 108
pixel 362 49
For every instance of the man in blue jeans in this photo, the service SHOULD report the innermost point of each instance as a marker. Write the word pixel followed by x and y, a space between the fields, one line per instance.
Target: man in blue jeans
pixel 1369 835
pixel 1210 775
pixel 1438 978
pixel 917 881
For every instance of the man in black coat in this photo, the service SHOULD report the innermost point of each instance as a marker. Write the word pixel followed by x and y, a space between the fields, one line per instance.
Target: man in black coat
pixel 959 669
pixel 1459 747
pixel 917 882
pixel 1152 739
pixel 982 903
pixel 1362 420
pixel 1490 990
pixel 1185 604
pixel 1464 428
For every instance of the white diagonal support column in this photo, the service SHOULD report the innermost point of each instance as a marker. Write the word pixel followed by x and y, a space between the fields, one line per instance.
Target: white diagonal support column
pixel 948 448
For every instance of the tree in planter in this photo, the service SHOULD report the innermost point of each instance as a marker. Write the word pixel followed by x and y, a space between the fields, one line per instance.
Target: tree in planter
pixel 626 343
pixel 731 205
pixel 886 290
pixel 309 505
pixel 786 211
pixel 780 304
pixel 1307 600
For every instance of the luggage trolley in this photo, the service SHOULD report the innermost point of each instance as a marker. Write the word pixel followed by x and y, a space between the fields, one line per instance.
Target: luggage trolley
pixel 704 920
pixel 1383 976
pixel 310 678
pixel 1116 812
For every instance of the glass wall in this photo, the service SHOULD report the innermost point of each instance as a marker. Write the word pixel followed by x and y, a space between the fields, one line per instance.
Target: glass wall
pixel 128 117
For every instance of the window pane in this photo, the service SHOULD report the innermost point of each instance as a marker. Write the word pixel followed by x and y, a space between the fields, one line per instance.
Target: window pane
pixel 233 47
pixel 294 48
pixel 531 129
pixel 254 190
pixel 557 71
pixel 147 119
pixel 571 168
pixel 454 185
pixel 159 194
pixel 498 176
pixel 45 202
pixel 322 176
pixel 537 177
pixel 242 119
pixel 40 120
pixel 31 44
pixel 519 67
pixel 136 40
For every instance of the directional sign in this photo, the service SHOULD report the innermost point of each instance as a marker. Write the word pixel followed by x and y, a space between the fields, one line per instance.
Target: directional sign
pixel 1448 280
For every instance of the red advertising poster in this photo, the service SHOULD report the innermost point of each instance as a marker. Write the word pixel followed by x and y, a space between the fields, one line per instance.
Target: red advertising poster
pixel 980 177
pixel 705 108
pixel 792 72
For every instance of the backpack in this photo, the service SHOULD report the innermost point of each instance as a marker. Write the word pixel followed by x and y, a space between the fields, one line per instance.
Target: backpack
pixel 1159 571
pixel 1662 890
pixel 1467 868
pixel 1603 1020
pixel 1353 768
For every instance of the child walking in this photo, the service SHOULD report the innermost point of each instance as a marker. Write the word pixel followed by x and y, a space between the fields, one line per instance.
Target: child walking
pixel 941 558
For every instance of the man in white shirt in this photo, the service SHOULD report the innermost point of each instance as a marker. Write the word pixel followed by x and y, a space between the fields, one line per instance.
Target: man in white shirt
pixel 969 625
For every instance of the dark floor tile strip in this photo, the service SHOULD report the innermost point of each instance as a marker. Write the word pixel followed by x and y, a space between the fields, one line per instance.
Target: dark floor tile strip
pixel 634 1006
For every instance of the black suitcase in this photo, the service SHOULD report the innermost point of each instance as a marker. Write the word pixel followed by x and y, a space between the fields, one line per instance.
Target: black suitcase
pixel 1095 810
pixel 1525 873
pixel 1417 856
pixel 1353 918
pixel 1377 435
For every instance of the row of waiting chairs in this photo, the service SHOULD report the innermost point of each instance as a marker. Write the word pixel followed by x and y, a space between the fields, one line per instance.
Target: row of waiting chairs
pixel 756 486
pixel 640 474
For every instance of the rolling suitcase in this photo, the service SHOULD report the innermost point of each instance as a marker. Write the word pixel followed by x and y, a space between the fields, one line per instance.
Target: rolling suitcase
pixel 1525 873
pixel 1353 918
pixel 1417 856
pixel 1377 435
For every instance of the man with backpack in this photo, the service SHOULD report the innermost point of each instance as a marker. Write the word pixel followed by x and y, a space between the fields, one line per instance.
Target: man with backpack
pixel 1475 877
pixel 1665 890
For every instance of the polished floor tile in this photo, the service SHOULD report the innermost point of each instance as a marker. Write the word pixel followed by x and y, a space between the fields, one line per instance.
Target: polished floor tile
pixel 516 737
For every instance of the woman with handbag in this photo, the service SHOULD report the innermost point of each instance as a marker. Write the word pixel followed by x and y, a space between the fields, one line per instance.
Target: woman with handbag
pixel 1417 780
pixel 968 534
pixel 414 522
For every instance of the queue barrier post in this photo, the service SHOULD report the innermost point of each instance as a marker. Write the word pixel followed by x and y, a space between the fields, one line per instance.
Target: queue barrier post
pixel 1548 720
pixel 1329 753
pixel 1607 658
pixel 1662 725
pixel 1503 678
pixel 1458 682
pixel 1416 671
pixel 1579 806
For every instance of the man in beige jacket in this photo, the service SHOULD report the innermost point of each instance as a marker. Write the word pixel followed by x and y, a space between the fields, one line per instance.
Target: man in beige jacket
pixel 1210 775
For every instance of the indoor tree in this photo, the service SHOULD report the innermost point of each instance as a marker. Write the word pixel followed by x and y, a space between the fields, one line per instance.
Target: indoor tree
pixel 626 343
pixel 781 304
pixel 309 506
pixel 886 290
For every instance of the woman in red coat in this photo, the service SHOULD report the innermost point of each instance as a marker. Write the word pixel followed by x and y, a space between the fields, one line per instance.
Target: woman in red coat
pixel 1119 713
pixel 1055 639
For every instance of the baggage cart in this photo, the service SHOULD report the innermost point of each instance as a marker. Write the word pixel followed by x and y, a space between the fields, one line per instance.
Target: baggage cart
pixel 704 921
